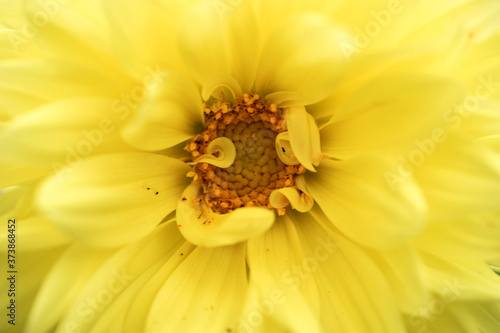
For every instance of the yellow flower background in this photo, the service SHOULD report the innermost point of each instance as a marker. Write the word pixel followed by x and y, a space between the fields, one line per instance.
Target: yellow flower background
pixel 390 109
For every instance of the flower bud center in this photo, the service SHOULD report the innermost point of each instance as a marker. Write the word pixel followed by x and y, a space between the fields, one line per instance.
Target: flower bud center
pixel 252 124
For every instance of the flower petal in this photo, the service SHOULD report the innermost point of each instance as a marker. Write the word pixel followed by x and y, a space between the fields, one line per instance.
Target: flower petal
pixel 28 83
pixel 468 279
pixel 170 114
pixel 274 259
pixel 37 232
pixel 461 177
pixel 110 200
pixel 57 291
pixel 218 85
pixel 224 41
pixel 304 136
pixel 134 46
pixel 204 294
pixel 288 62
pixel 129 310
pixel 291 195
pixel 201 226
pixel 339 267
pixel 471 237
pixel 15 174
pixel 444 314
pixel 389 216
pixel 60 134
pixel 389 113
pixel 225 150
pixel 69 30
pixel 34 267
pixel 403 270
pixel 297 196
pixel 123 274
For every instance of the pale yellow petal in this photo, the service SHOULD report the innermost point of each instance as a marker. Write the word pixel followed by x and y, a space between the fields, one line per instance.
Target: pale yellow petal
pixel 69 30
pixel 36 231
pixel 304 137
pixel 219 86
pixel 355 294
pixel 475 237
pixel 203 227
pixel 204 294
pixel 461 177
pixel 388 215
pixel 390 113
pixel 170 113
pixel 134 46
pixel 129 310
pixel 405 273
pixel 57 291
pixel 119 277
pixel 32 268
pixel 223 41
pixel 28 83
pixel 10 196
pixel 111 200
pixel 60 134
pixel 445 314
pixel 276 260
pixel 13 174
pixel 468 279
pixel 136 317
pixel 289 64
pixel 221 152
pixel 14 26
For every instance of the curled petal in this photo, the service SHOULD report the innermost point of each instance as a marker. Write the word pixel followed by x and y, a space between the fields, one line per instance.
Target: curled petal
pixel 284 99
pixel 299 200
pixel 202 227
pixel 218 86
pixel 221 153
pixel 284 149
pixel 304 137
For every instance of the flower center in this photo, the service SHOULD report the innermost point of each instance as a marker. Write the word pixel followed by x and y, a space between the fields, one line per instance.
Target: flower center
pixel 252 124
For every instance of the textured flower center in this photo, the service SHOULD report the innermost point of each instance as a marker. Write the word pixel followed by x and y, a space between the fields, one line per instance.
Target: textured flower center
pixel 252 125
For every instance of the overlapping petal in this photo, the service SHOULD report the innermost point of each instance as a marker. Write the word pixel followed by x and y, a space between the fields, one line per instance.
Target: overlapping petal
pixel 28 83
pixel 224 41
pixel 460 178
pixel 205 293
pixel 203 227
pixel 340 270
pixel 122 277
pixel 133 44
pixel 57 291
pixel 62 133
pixel 390 215
pixel 276 272
pixel 389 113
pixel 170 113
pixel 111 200
pixel 288 65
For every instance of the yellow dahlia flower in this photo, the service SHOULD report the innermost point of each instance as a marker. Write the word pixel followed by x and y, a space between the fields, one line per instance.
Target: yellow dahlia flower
pixel 250 166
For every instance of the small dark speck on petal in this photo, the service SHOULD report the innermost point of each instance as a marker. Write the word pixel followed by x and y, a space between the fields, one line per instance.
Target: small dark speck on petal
pixel 156 193
pixel 184 199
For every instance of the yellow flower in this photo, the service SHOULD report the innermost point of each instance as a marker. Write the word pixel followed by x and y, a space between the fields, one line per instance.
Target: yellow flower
pixel 250 166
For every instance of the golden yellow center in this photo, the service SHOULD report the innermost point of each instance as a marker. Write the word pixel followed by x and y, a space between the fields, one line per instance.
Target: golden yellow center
pixel 252 124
